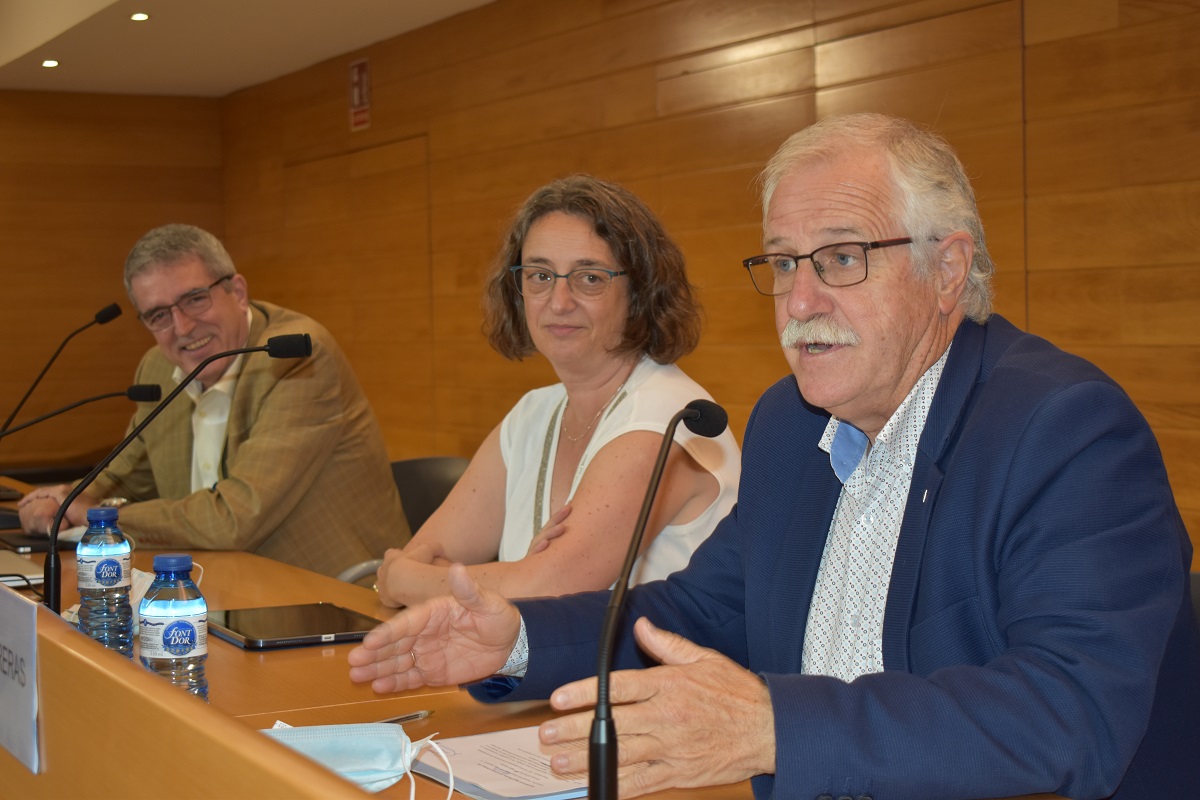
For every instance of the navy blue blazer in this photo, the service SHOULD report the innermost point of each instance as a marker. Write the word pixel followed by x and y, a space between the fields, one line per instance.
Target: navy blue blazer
pixel 1038 633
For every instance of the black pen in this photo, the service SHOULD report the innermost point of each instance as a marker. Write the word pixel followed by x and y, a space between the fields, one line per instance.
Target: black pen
pixel 412 716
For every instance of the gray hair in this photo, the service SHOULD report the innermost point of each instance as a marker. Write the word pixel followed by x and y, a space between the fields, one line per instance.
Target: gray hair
pixel 936 197
pixel 173 243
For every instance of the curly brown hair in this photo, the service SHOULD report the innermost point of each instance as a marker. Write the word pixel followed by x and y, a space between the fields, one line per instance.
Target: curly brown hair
pixel 664 317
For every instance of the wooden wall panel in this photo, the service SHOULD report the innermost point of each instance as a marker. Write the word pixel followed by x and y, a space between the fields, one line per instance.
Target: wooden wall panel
pixel 1148 225
pixel 616 42
pixel 350 247
pixel 934 95
pixel 670 145
pixel 1063 19
pixel 1135 65
pixel 1112 99
pixel 838 19
pixel 1150 144
pixel 968 34
pixel 622 98
pixel 692 84
pixel 81 178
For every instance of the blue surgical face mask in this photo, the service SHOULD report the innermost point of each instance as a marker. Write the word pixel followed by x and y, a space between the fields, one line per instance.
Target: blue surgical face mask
pixel 373 755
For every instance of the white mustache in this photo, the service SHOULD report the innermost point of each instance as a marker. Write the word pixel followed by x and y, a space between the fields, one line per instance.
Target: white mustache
pixel 818 330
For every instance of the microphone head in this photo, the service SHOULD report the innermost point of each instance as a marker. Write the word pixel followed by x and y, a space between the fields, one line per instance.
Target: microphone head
pixel 108 314
pixel 144 393
pixel 709 420
pixel 290 345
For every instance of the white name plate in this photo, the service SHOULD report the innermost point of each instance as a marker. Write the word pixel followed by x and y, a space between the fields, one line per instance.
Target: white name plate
pixel 18 677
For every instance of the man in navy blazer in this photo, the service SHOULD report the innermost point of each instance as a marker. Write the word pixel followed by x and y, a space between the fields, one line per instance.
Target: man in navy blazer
pixel 955 569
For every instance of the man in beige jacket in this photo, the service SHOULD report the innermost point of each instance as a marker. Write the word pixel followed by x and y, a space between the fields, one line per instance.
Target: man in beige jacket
pixel 282 457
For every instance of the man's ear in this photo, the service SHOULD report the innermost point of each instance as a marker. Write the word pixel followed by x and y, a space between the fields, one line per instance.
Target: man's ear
pixel 950 270
pixel 237 285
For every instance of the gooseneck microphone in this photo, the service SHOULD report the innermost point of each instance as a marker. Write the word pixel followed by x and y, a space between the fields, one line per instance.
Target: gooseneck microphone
pixel 292 345
pixel 103 317
pixel 138 393
pixel 703 418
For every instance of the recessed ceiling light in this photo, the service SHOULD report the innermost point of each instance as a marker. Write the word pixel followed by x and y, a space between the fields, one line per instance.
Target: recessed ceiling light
pixel 49 62
pixel 140 17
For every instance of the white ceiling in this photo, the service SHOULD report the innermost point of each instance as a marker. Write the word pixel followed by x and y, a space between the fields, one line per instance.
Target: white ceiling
pixel 200 48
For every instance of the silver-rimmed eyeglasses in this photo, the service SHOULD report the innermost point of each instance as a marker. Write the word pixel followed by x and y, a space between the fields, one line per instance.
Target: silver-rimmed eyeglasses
pixel 841 264
pixel 587 282
pixel 192 304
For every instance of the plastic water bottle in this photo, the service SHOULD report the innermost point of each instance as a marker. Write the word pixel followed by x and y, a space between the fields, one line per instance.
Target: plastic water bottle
pixel 174 625
pixel 102 559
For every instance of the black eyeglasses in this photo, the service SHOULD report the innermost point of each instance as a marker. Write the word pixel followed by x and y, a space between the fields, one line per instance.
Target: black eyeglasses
pixel 841 264
pixel 192 304
pixel 588 283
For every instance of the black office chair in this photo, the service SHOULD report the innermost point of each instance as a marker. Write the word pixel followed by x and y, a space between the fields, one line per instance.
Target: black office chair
pixel 423 484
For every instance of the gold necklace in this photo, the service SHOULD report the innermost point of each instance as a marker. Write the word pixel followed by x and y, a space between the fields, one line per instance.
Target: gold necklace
pixel 603 408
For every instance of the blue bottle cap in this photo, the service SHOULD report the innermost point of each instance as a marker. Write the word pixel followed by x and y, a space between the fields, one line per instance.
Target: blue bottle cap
pixel 172 562
pixel 102 514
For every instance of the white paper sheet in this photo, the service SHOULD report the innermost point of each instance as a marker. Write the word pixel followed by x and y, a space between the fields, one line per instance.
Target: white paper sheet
pixel 504 765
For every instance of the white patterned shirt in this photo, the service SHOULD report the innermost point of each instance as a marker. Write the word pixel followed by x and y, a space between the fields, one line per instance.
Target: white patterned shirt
pixel 844 637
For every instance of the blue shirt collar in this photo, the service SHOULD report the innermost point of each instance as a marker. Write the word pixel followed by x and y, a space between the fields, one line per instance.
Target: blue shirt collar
pixel 846 450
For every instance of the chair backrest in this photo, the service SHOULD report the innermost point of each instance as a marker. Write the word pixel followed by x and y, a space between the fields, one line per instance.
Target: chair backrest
pixel 424 484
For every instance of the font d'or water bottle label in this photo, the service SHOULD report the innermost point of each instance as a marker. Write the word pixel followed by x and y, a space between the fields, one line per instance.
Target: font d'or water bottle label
pixel 174 637
pixel 104 572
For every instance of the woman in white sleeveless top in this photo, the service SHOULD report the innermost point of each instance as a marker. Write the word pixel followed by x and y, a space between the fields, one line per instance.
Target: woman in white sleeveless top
pixel 589 279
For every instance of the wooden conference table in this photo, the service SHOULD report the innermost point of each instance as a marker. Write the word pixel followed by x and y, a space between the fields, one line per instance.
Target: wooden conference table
pixel 248 691
pixel 300 686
